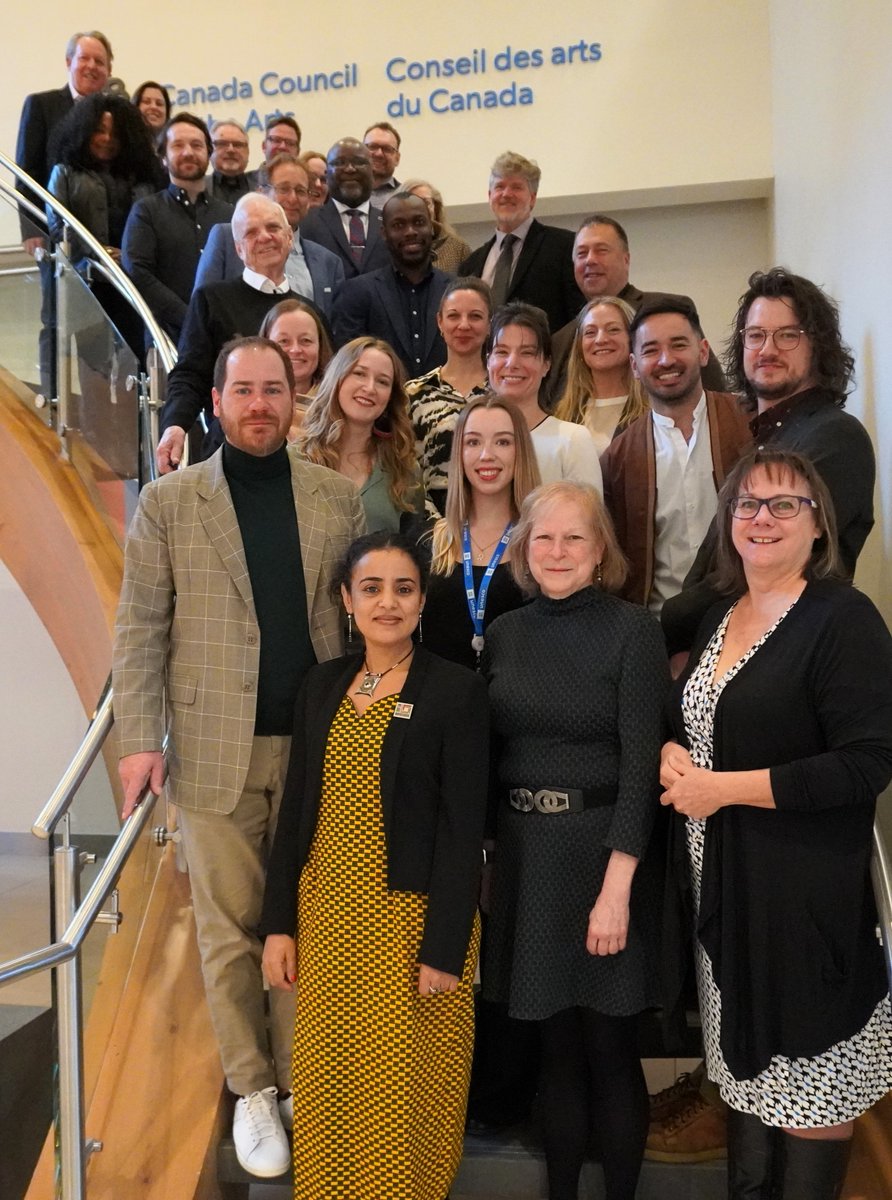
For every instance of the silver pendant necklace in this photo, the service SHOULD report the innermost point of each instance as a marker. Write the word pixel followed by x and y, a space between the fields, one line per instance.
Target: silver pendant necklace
pixel 371 680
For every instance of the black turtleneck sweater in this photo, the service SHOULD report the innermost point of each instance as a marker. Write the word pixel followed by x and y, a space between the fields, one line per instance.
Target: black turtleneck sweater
pixel 264 506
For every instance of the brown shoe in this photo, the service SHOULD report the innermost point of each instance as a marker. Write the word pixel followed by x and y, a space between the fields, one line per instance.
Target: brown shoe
pixel 698 1132
pixel 677 1095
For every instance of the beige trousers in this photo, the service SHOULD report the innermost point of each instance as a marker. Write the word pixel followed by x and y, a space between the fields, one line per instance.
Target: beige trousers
pixel 226 855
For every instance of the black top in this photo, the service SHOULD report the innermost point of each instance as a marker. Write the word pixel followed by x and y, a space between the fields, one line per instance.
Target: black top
pixel 433 776
pixel 264 506
pixel 228 188
pixel 787 914
pixel 447 621
pixel 163 241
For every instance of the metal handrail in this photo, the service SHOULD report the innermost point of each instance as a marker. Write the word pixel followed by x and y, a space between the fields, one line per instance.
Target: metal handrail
pixel 881 875
pixel 73 937
pixel 84 757
pixel 97 252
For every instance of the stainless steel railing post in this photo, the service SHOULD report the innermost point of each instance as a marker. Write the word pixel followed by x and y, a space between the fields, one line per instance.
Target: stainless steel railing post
pixel 72 1144
pixel 62 348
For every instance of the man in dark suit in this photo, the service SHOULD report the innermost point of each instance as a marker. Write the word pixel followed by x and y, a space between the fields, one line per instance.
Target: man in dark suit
pixel 399 303
pixel 311 270
pixel 347 223
pixel 525 260
pixel 600 263
pixel 218 312
pixel 88 57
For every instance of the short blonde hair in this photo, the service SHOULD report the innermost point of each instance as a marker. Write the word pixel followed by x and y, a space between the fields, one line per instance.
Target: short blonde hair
pixel 613 564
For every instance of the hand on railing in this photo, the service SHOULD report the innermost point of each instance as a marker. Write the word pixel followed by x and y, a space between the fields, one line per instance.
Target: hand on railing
pixel 138 771
pixel 33 244
pixel 169 452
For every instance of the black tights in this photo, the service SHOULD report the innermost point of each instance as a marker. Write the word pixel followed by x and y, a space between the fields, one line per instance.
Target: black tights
pixel 592 1084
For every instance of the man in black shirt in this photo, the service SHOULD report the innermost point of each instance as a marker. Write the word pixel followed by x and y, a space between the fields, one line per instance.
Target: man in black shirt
pixel 166 233
pixel 229 162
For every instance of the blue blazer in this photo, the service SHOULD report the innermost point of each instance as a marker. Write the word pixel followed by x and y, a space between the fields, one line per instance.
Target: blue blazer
pixel 372 304
pixel 324 225
pixel 219 261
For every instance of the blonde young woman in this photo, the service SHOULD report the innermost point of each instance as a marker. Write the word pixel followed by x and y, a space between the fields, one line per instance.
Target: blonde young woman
pixel 358 424
pixel 296 327
pixel 601 392
pixel 491 470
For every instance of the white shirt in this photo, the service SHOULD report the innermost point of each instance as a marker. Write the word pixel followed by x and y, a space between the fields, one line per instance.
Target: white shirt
pixel 489 267
pixel 565 450
pixel 263 283
pixel 685 502
pixel 345 210
pixel 297 272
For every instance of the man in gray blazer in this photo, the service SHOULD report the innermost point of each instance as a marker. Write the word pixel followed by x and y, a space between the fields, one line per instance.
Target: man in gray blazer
pixel 311 270
pixel 226 602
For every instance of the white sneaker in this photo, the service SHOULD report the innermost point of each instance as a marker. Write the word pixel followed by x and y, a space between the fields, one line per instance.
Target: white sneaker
pixel 260 1142
pixel 286 1111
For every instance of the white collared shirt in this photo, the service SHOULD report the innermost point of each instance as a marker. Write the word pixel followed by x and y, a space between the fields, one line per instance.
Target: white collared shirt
pixel 489 267
pixel 263 283
pixel 685 501
pixel 297 270
pixel 345 209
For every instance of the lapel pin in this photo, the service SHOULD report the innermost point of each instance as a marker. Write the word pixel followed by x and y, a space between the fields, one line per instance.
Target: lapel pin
pixel 403 710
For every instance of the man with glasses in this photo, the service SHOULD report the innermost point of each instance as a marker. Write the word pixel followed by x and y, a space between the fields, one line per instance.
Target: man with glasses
pixel 282 136
pixel 166 233
pixel 228 161
pixel 383 143
pixel 311 270
pixel 787 356
pixel 347 223
pixel 662 472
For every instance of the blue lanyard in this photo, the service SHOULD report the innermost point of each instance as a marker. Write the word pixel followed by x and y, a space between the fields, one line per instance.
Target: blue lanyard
pixel 477 602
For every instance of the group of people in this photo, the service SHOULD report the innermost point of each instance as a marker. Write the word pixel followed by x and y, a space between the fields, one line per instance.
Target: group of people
pixel 643 720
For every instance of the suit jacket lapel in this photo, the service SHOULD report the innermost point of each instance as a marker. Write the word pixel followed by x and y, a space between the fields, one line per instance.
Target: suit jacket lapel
pixel 332 218
pixel 217 514
pixel 396 734
pixel 391 304
pixel 434 293
pixel 311 530
pixel 528 250
pixel 373 233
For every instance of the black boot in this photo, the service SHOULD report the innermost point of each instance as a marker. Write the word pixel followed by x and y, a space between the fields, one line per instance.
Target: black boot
pixel 814 1168
pixel 751 1153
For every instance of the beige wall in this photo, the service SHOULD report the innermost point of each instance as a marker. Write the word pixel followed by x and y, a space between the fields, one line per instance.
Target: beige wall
pixel 833 216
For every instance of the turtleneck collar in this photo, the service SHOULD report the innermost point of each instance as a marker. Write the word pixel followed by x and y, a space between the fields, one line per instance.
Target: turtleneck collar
pixel 584 598
pixel 248 468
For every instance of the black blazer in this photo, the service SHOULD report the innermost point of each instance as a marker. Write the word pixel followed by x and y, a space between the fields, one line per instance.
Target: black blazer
pixel 543 273
pixel 324 225
pixel 42 112
pixel 373 304
pixel 434 774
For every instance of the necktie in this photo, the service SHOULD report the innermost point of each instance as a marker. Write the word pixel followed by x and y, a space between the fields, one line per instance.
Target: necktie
pixel 502 276
pixel 357 234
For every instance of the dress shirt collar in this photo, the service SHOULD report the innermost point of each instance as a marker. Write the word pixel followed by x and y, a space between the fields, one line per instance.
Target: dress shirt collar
pixel 775 416
pixel 669 423
pixel 347 208
pixel 262 283
pixel 520 232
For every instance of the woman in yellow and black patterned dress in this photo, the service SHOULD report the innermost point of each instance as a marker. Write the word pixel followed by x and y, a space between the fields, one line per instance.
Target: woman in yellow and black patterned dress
pixel 378 850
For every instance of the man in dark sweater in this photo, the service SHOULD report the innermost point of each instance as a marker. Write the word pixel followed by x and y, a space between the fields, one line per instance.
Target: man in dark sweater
pixel 220 311
pixel 166 233
pixel 226 602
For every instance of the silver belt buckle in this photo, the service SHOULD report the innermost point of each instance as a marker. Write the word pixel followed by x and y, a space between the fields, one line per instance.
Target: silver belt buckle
pixel 548 801
pixel 522 799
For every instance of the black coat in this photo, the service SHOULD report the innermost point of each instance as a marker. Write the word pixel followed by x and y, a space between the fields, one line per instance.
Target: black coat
pixel 434 776
pixel 324 225
pixel 35 148
pixel 787 913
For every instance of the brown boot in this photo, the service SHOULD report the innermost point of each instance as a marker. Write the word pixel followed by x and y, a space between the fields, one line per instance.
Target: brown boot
pixel 695 1133
pixel 677 1095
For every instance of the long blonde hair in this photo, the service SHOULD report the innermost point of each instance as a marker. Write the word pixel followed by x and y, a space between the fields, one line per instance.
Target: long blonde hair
pixel 446 538
pixel 394 438
pixel 579 388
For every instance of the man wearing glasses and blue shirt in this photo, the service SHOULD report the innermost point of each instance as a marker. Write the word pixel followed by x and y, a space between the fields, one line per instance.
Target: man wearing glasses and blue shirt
pixel 787 356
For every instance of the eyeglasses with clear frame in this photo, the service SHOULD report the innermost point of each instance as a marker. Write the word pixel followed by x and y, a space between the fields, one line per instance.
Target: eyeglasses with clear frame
pixel 785 338
pixel 782 508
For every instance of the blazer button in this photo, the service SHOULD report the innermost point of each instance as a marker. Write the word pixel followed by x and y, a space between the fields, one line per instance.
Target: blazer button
pixel 247 687
pixel 252 639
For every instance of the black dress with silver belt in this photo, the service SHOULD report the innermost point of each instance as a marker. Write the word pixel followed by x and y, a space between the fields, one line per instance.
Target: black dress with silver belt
pixel 577 689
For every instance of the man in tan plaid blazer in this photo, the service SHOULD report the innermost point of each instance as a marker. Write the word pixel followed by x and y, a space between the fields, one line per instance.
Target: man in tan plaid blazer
pixel 199 602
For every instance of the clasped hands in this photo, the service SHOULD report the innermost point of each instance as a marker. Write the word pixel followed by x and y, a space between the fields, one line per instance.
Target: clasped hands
pixel 690 790
pixel 280 968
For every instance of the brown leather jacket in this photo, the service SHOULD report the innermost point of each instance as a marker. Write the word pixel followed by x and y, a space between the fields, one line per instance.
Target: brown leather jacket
pixel 630 482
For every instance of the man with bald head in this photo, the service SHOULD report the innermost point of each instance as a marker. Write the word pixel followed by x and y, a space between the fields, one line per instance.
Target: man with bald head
pixel 601 259
pixel 220 311
pixel 347 223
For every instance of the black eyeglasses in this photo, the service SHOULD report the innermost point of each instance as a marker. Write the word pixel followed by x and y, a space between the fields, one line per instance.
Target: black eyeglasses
pixel 782 508
pixel 785 338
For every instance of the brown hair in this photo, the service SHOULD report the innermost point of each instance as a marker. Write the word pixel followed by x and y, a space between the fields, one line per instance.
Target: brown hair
pixel 446 542
pixel 292 305
pixel 323 424
pixel 613 564
pixel 729 576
